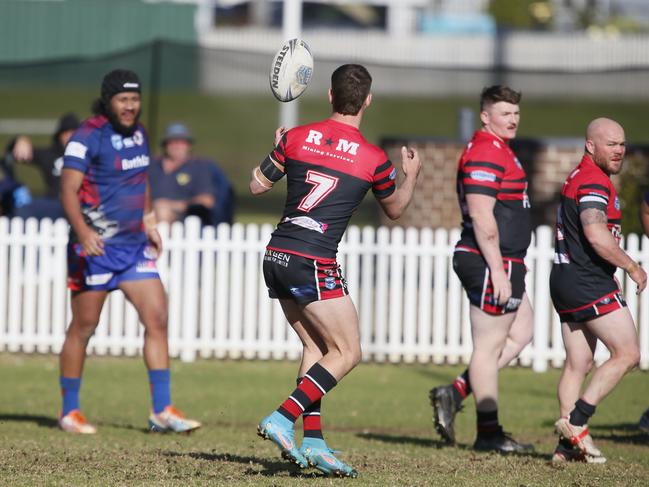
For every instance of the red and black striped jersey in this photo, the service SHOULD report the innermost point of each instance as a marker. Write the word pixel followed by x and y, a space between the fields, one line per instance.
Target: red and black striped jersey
pixel 488 166
pixel 586 187
pixel 329 168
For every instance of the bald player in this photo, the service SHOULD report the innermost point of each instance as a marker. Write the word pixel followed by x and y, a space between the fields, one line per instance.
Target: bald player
pixel 585 292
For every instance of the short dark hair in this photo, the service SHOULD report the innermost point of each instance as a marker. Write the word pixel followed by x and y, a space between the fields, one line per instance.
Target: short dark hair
pixel 496 93
pixel 350 85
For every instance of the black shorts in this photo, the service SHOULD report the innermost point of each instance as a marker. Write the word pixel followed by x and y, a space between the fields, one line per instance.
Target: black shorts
pixel 473 272
pixel 585 300
pixel 302 279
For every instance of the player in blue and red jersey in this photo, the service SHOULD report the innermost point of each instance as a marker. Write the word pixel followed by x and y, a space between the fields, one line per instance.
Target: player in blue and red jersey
pixel 329 168
pixel 585 292
pixel 113 245
pixel 488 259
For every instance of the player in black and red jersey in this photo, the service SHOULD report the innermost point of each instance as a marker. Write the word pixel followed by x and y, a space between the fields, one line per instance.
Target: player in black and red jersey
pixel 488 259
pixel 585 292
pixel 329 168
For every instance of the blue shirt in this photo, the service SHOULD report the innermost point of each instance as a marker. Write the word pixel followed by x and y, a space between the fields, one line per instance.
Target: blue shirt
pixel 115 173
pixel 194 177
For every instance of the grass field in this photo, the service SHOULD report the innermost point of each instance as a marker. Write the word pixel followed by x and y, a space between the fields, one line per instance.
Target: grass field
pixel 378 416
pixel 238 130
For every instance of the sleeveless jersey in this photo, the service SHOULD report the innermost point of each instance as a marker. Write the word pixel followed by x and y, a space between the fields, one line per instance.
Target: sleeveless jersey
pixel 115 172
pixel 488 166
pixel 329 168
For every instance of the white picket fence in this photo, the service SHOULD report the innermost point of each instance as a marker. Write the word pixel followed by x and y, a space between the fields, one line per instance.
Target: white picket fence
pixel 411 305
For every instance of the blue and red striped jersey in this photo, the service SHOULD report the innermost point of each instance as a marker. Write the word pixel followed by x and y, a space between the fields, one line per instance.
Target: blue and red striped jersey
pixel 115 172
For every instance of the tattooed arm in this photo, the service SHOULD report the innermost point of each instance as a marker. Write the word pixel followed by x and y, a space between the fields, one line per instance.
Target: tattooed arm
pixel 601 239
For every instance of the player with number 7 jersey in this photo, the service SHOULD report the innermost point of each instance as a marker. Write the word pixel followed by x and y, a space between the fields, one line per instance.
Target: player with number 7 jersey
pixel 329 168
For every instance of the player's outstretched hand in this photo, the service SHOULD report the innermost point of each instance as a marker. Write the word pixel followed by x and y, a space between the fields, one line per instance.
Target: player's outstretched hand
pixel 155 241
pixel 91 243
pixel 279 133
pixel 639 276
pixel 410 162
pixel 502 287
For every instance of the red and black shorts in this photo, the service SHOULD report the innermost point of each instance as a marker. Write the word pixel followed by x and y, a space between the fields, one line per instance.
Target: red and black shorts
pixel 585 302
pixel 473 272
pixel 302 279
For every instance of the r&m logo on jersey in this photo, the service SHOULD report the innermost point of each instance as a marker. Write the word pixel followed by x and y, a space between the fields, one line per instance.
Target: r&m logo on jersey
pixel 341 146
pixel 617 203
pixel 183 178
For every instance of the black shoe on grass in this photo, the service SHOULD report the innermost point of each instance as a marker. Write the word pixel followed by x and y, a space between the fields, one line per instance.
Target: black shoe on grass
pixel 501 442
pixel 444 411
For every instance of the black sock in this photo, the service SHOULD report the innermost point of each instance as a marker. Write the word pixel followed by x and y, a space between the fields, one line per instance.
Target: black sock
pixel 565 442
pixel 488 425
pixel 582 412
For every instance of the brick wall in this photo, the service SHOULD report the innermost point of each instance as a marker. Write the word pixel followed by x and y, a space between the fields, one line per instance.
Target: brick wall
pixel 547 163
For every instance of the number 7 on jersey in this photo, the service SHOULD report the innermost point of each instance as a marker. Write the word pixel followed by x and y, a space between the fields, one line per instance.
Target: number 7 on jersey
pixel 323 184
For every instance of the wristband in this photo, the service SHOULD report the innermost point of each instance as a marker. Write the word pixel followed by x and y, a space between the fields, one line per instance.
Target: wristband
pixel 632 267
pixel 256 173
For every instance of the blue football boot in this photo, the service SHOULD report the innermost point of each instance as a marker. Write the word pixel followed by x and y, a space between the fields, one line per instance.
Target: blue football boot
pixel 279 430
pixel 320 456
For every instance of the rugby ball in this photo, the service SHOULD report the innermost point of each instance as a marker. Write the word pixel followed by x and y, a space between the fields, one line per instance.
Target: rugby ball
pixel 291 70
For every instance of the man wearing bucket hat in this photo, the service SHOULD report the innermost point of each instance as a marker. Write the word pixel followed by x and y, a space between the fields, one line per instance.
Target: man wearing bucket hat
pixel 183 185
pixel 113 244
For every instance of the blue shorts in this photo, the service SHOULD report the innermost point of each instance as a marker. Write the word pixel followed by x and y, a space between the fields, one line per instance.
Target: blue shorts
pixel 105 272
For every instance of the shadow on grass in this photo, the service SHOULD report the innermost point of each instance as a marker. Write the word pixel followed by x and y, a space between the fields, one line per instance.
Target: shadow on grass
pixel 531 454
pixel 630 433
pixel 427 442
pixel 439 375
pixel 271 467
pixel 637 438
pixel 50 422
pixel 43 421
pixel 632 427
pixel 401 439
pixel 124 426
